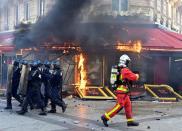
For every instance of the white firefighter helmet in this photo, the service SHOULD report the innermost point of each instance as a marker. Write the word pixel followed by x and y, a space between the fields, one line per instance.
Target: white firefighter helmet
pixel 124 60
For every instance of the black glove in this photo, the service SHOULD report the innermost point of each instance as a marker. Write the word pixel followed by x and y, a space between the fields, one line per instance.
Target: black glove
pixel 136 72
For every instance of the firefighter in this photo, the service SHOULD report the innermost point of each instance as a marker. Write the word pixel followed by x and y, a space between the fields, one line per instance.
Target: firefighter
pixel 15 83
pixel 122 90
pixel 33 91
pixel 56 82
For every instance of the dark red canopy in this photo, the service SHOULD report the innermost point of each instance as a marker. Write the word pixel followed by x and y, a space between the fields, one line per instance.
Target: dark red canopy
pixel 6 44
pixel 157 39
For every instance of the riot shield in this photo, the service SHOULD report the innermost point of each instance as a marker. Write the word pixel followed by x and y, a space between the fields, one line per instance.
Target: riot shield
pixel 9 78
pixel 22 89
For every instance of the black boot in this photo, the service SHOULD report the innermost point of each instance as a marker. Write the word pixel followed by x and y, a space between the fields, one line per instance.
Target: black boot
pixel 21 112
pixel 17 97
pixel 64 108
pixel 53 108
pixel 104 120
pixel 43 112
pixel 31 107
pixel 60 103
pixel 9 105
pixel 52 111
pixel 8 108
pixel 132 123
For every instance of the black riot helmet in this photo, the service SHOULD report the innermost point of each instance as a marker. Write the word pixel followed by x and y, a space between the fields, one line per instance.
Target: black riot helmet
pixel 47 63
pixel 56 64
pixel 16 63
pixel 39 63
pixel 24 62
pixel 35 64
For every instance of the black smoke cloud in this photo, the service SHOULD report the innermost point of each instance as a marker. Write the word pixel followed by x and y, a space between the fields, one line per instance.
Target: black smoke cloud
pixel 59 24
pixel 64 23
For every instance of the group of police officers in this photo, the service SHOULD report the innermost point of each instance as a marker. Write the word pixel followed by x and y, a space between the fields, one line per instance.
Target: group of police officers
pixel 44 84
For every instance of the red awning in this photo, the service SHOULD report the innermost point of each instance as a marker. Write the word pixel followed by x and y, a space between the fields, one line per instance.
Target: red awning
pixel 157 39
pixel 175 35
pixel 6 39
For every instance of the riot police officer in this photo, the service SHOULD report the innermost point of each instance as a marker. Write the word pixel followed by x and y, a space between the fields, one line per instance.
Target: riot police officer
pixel 56 88
pixel 46 76
pixel 33 91
pixel 15 84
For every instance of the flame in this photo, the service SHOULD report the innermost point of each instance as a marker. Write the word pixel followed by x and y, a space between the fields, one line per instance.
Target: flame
pixel 135 46
pixel 83 78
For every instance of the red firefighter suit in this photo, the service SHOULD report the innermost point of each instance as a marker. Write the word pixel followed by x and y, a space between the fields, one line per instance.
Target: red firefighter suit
pixel 123 99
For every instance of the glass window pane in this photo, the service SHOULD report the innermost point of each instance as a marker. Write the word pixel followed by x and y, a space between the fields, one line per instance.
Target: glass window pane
pixel 124 5
pixel 115 5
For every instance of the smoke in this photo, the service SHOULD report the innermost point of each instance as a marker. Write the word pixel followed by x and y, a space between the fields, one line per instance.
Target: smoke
pixel 73 21
pixel 68 22
pixel 58 26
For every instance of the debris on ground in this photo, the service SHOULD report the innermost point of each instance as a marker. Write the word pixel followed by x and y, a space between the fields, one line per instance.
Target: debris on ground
pixel 76 122
pixel 158 119
pixel 158 112
pixel 70 97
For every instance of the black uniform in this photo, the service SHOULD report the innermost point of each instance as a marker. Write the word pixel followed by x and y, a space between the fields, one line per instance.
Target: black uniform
pixel 56 90
pixel 15 84
pixel 33 91
pixel 46 76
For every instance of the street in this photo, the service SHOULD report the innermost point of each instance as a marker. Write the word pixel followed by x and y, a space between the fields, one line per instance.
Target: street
pixel 85 115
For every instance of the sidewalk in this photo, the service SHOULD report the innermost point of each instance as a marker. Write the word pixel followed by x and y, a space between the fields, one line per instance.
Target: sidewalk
pixel 85 116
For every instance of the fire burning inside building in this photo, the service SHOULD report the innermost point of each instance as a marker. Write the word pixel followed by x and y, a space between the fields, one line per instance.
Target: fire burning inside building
pixel 83 77
pixel 135 46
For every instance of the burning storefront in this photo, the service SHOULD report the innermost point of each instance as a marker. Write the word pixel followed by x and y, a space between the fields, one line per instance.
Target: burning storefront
pixel 87 50
pixel 88 66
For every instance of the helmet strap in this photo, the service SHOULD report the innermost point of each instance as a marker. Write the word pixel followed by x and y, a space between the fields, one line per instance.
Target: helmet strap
pixel 127 63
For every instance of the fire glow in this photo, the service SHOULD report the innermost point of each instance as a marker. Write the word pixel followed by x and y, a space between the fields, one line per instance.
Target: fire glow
pixel 134 46
pixel 81 67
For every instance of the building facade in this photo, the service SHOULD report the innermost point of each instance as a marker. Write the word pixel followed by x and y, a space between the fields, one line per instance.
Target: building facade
pixel 16 11
pixel 167 13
